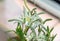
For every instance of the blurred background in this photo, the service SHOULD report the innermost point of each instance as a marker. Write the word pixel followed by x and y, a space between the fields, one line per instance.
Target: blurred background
pixel 12 9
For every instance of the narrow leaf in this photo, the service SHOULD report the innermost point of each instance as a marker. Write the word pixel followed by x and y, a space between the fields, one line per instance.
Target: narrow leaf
pixel 13 20
pixel 47 29
pixel 39 30
pixel 46 20
pixel 26 30
pixel 53 37
pixel 33 10
pixel 51 29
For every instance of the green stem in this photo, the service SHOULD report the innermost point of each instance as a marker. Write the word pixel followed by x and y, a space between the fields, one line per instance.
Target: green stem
pixel 25 2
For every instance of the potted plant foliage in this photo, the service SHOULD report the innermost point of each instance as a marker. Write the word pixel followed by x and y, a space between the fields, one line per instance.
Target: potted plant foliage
pixel 31 21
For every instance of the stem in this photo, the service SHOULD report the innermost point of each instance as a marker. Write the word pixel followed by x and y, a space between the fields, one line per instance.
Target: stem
pixel 25 3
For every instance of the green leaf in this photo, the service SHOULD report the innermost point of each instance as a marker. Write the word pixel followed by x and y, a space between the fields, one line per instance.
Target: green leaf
pixel 20 33
pixel 33 11
pixel 51 29
pixel 47 29
pixel 13 20
pixel 53 37
pixel 39 30
pixel 43 31
pixel 43 27
pixel 16 20
pixel 46 20
pixel 26 30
